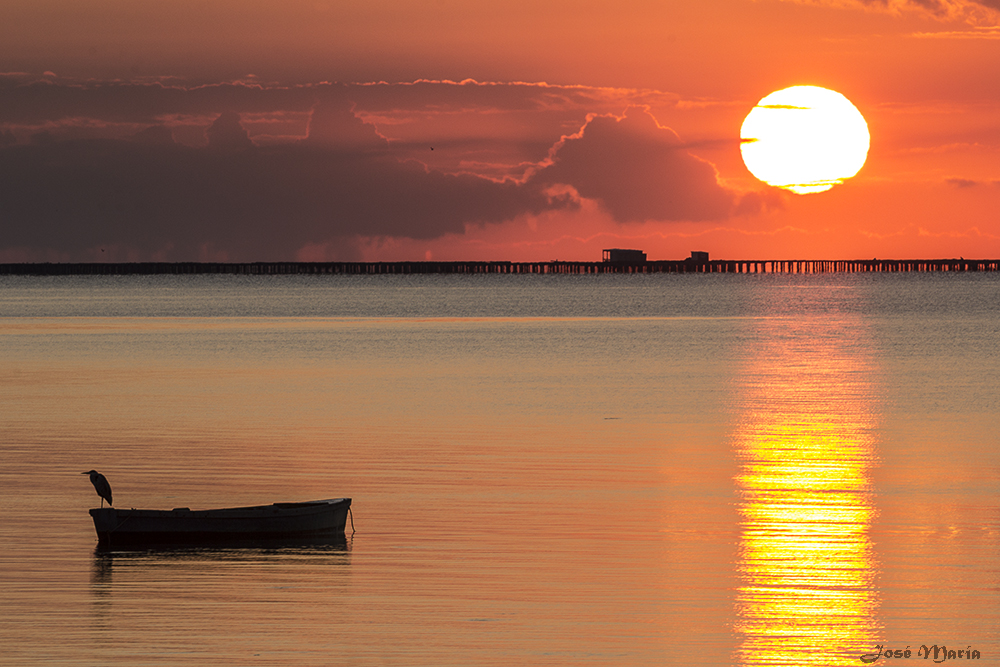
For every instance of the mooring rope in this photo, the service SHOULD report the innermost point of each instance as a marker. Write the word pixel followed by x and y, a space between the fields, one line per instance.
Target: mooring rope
pixel 122 522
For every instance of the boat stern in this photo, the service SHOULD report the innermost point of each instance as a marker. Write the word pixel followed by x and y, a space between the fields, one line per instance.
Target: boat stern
pixel 105 520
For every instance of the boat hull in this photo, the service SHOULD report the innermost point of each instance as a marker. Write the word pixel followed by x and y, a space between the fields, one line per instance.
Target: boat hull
pixel 280 521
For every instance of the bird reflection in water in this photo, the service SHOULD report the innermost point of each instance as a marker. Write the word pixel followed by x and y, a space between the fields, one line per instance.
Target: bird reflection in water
pixel 805 445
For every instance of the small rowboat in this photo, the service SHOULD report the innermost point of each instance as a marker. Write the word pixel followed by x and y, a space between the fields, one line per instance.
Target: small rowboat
pixel 280 521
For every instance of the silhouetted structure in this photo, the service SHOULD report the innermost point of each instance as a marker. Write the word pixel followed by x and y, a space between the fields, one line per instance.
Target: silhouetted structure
pixel 622 255
pixel 378 268
pixel 698 256
pixel 101 485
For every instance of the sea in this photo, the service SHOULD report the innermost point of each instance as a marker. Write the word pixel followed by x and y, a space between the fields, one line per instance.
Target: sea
pixel 693 469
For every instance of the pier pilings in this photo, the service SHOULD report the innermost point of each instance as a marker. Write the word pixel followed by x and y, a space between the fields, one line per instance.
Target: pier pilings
pixel 471 267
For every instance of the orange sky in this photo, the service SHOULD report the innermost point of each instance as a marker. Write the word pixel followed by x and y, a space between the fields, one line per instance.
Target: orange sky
pixel 258 130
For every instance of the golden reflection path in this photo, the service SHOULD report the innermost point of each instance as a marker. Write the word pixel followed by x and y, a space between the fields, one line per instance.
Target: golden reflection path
pixel 805 446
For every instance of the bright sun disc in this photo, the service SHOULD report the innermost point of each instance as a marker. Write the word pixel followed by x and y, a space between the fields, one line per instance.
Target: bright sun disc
pixel 804 139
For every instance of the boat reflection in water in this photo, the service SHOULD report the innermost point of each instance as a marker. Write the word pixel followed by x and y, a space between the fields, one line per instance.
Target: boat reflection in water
pixel 256 551
pixel 228 550
pixel 171 595
pixel 804 444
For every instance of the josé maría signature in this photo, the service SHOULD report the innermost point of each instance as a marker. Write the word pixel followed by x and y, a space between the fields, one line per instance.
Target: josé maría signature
pixel 940 653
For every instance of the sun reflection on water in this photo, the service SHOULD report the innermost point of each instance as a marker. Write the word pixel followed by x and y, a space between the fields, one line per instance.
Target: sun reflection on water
pixel 805 447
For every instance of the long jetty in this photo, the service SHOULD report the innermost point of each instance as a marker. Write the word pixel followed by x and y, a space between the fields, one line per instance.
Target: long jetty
pixel 551 267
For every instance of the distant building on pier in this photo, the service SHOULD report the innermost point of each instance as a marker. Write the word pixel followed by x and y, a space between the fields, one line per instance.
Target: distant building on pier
pixel 698 257
pixel 624 256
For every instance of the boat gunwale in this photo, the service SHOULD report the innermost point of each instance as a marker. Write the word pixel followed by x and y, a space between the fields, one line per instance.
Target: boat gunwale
pixel 316 517
pixel 252 510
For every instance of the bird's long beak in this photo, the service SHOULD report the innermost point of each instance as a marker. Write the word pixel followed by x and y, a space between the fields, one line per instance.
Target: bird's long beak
pixel 85 473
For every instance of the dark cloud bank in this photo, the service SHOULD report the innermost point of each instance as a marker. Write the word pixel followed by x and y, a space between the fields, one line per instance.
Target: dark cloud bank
pixel 148 197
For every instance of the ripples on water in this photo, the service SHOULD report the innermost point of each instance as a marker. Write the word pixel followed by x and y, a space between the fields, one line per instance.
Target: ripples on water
pixel 806 444
pixel 634 470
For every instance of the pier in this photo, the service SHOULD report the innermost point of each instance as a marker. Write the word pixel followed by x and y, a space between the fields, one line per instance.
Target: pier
pixel 754 266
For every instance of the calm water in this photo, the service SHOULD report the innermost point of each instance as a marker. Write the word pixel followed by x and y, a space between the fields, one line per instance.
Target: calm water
pixel 546 470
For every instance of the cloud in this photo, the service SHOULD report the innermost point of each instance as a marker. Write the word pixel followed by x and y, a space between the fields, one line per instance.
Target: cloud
pixel 157 135
pixel 30 99
pixel 638 170
pixel 962 182
pixel 337 126
pixel 248 172
pixel 977 32
pixel 755 203
pixel 978 12
pixel 226 134
pixel 250 202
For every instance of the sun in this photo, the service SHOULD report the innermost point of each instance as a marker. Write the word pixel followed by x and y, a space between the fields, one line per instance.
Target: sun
pixel 804 139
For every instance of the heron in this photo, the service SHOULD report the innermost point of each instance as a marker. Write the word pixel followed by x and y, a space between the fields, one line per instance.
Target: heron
pixel 101 485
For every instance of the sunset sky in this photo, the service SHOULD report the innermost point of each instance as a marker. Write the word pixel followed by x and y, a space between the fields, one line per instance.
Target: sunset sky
pixel 389 130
